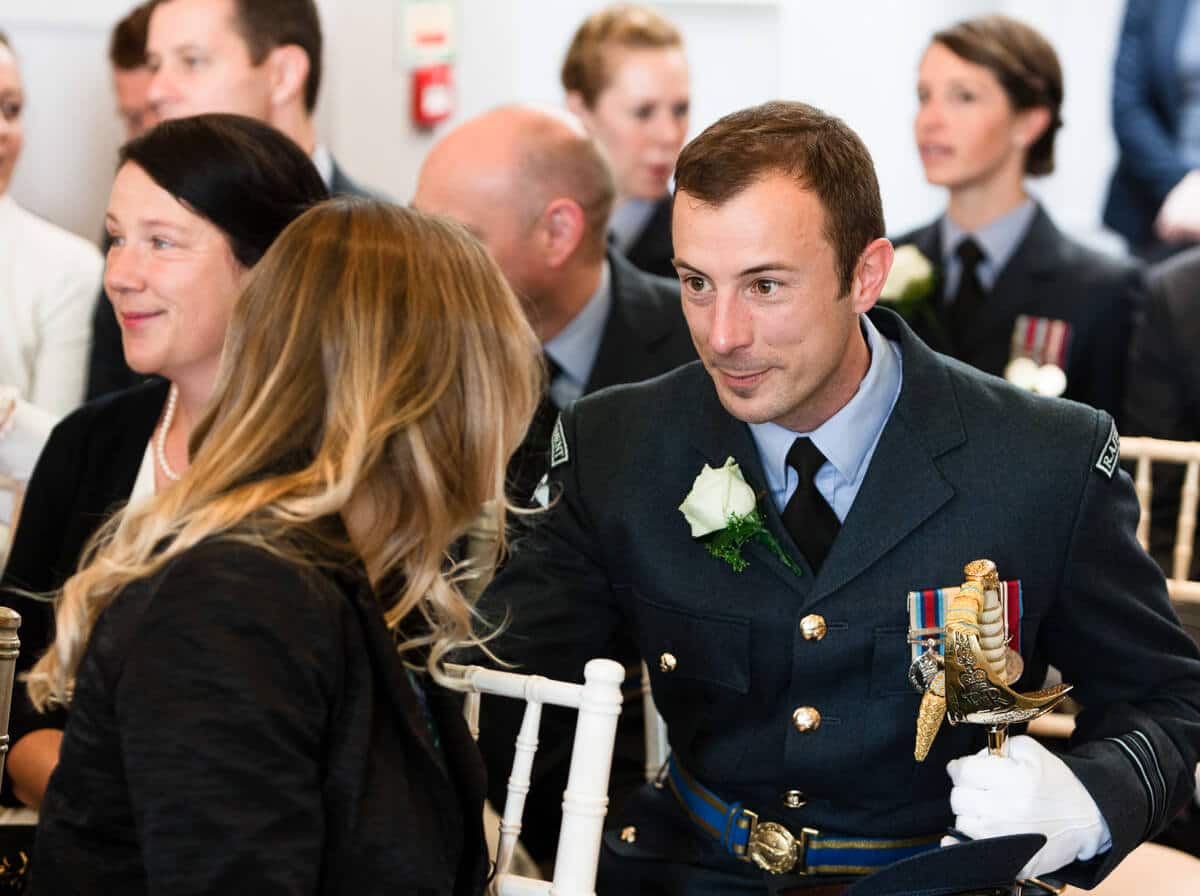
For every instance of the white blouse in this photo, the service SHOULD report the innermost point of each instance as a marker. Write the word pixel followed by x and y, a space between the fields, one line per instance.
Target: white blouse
pixel 49 280
pixel 23 432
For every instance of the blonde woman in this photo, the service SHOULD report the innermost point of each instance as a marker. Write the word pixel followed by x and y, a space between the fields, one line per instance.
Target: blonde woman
pixel 252 657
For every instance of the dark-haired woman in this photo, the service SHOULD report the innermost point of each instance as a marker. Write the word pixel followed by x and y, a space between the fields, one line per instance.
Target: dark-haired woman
pixel 1014 296
pixel 195 204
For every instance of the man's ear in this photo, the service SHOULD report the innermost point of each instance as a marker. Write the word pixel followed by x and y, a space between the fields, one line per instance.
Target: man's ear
pixel 288 67
pixel 562 226
pixel 870 274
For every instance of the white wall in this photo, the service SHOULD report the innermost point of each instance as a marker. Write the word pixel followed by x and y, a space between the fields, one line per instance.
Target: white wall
pixel 856 58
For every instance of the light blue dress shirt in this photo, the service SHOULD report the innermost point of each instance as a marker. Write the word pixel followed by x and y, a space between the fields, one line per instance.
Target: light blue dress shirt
pixel 998 240
pixel 576 347
pixel 847 439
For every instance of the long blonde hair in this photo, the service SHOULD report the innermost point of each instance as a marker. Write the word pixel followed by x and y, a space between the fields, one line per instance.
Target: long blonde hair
pixel 374 351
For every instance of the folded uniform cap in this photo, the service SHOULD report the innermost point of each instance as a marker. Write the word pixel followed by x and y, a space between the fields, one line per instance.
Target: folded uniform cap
pixel 977 865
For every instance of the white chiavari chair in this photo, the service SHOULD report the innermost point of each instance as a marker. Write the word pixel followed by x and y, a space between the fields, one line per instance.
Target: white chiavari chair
pixel 1146 452
pixel 585 801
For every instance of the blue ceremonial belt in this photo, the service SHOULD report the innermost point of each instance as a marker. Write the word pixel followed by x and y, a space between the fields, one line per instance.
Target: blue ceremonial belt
pixel 740 833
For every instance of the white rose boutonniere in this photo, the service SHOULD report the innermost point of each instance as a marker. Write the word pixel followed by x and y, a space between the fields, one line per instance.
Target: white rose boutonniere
pixel 721 509
pixel 909 289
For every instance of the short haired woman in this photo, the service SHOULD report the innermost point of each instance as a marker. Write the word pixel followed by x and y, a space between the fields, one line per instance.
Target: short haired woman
pixel 1011 286
pixel 626 78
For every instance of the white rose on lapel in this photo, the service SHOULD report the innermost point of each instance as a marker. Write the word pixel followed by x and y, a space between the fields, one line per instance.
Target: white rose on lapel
pixel 715 496
pixel 911 276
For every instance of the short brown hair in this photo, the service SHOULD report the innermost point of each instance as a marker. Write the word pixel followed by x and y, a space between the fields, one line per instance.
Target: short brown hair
pixel 127 45
pixel 1026 66
pixel 267 24
pixel 622 26
pixel 818 150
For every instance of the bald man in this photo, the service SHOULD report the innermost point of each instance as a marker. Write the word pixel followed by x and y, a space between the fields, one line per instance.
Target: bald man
pixel 534 188
pixel 537 192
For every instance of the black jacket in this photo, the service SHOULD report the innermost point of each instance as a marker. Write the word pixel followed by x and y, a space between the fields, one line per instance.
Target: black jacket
pixel 1052 276
pixel 652 251
pixel 243 723
pixel 85 472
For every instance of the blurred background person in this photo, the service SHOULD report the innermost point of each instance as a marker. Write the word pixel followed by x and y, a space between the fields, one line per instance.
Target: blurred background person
pixel 1009 284
pixel 536 190
pixel 260 58
pixel 48 279
pixel 107 370
pixel 1154 195
pixel 626 77
pixel 195 205
pixel 131 76
pixel 265 670
pixel 1162 398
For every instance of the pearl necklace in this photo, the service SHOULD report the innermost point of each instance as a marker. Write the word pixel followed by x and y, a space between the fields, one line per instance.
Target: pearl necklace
pixel 160 444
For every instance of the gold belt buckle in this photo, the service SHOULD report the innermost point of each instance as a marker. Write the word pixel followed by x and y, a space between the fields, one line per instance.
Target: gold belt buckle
pixel 774 848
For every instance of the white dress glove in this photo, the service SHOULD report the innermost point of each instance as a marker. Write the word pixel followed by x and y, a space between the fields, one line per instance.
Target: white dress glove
pixel 1027 791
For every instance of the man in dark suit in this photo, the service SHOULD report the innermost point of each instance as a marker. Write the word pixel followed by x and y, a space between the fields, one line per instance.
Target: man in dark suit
pixel 260 58
pixel 1047 279
pixel 1162 399
pixel 537 192
pixel 772 612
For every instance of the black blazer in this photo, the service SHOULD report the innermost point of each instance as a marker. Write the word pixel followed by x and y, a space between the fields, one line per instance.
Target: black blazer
pixel 652 251
pixel 85 472
pixel 242 723
pixel 1052 276
pixel 965 467
pixel 1162 398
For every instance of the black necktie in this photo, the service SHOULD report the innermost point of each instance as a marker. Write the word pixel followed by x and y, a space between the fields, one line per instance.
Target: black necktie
pixel 808 517
pixel 964 312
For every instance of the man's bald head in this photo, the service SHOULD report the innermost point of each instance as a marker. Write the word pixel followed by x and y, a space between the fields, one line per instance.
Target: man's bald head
pixel 503 170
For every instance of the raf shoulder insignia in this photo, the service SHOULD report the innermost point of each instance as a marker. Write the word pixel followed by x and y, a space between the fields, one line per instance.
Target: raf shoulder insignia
pixel 1110 454
pixel 559 454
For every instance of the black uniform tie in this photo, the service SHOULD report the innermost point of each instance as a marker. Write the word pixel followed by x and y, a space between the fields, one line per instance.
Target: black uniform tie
pixel 968 301
pixel 808 517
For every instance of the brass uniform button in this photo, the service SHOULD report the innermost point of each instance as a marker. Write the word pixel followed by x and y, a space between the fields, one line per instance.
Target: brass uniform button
pixel 794 799
pixel 667 662
pixel 806 718
pixel 629 834
pixel 813 627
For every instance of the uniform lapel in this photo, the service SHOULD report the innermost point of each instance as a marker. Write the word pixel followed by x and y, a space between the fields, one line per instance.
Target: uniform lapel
pixel 903 485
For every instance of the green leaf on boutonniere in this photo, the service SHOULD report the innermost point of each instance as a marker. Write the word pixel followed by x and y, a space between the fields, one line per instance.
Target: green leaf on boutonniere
pixel 726 544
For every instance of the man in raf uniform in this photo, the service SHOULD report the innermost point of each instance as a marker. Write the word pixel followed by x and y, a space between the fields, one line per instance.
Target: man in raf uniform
pixel 779 658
